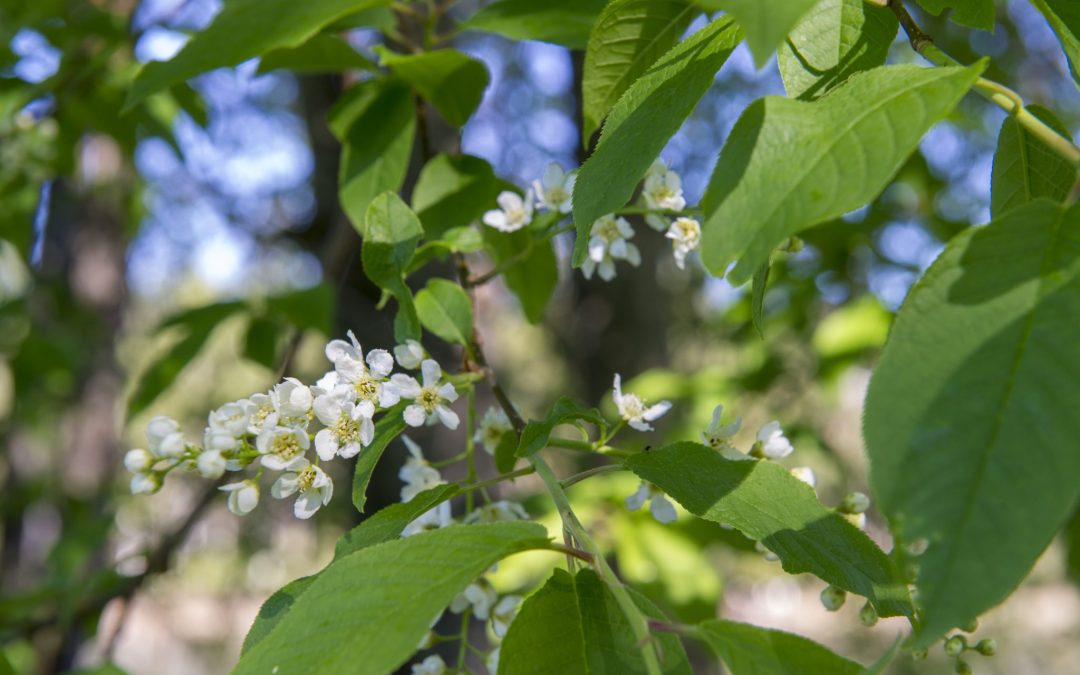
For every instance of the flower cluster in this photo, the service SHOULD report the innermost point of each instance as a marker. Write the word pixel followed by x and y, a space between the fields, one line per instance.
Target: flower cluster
pixel 609 236
pixel 277 430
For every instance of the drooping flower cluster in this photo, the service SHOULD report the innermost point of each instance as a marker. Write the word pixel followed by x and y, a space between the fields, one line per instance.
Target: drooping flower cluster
pixel 277 430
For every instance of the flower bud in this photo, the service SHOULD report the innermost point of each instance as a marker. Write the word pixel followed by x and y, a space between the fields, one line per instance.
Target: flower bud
pixel 856 502
pixel 987 647
pixel 856 519
pixel 833 598
pixel 963 667
pixel 145 483
pixel 805 474
pixel 955 645
pixel 158 428
pixel 137 460
pixel 211 464
pixel 243 496
pixel 971 626
pixel 868 616
pixel 171 446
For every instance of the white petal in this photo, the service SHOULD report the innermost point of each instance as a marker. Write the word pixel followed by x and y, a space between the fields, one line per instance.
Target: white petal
pixel 405 386
pixel 509 201
pixel 326 445
pixel 415 416
pixel 662 509
pixel 447 392
pixel 637 500
pixel 633 255
pixel 285 485
pixel 367 431
pixel 447 416
pixel 639 424
pixel 607 269
pixel 380 362
pixel 655 411
pixel 431 371
pixel 496 219
pixel 307 504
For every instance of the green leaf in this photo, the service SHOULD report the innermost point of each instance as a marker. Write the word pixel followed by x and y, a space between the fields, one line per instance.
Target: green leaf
pixel 448 79
pixel 757 297
pixel 1064 18
pixel 565 411
pixel 752 650
pixel 1025 168
pixel 244 29
pixel 387 429
pixel 444 309
pixel 970 418
pixel 373 606
pixel 454 191
pixel 647 115
pixel 834 40
pixel 972 13
pixel 385 525
pixel 574 625
pixel 320 54
pixel 308 308
pixel 377 123
pixel 531 271
pixel 765 502
pixel 506 452
pixel 391 231
pixel 629 36
pixel 562 22
pixel 261 341
pixel 789 165
pixel 766 22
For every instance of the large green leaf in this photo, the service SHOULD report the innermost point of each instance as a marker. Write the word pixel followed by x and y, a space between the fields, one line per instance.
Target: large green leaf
pixel 385 525
pixel 377 121
pixel 563 22
pixel 531 271
pixel 244 29
pixel 766 22
pixel 451 81
pixel 836 39
pixel 454 191
pixel 444 309
pixel 765 502
pixel 789 165
pixel 647 115
pixel 974 13
pixel 751 650
pixel 1025 168
pixel 391 232
pixel 971 417
pixel 629 36
pixel 573 625
pixel 386 430
pixel 1064 18
pixel 373 606
pixel 320 54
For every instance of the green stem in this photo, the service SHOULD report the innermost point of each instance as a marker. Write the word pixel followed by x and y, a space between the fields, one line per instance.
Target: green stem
pixel 470 446
pixel 463 636
pixel 525 471
pixel 639 623
pixel 578 477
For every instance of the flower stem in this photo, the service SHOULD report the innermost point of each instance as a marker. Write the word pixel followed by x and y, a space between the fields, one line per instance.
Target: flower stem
pixel 470 445
pixel 578 477
pixel 525 471
pixel 463 637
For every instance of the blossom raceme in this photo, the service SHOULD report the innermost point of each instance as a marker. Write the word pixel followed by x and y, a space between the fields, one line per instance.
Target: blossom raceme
pixel 633 409
pixel 430 399
pixel 514 212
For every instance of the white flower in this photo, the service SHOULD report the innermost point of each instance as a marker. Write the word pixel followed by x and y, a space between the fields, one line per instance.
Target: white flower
pixel 493 426
pixel 504 613
pixel 659 506
pixel 663 188
pixel 231 418
pixel 416 472
pixel 145 483
pixel 805 474
pixel 367 379
pixel 210 464
pixel 632 408
pixel 410 354
pixel 430 400
pixel 513 213
pixel 496 512
pixel 555 191
pixel 258 407
pixel 432 665
pixel 492 661
pixel 282 448
pixel 137 459
pixel 772 443
pixel 220 440
pixel 685 236
pixel 243 496
pixel 718 436
pixel 480 595
pixel 314 486
pixel 608 243
pixel 292 399
pixel 433 519
pixel 164 438
pixel 348 426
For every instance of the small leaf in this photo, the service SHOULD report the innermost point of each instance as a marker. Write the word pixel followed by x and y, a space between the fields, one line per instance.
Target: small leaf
pixel 972 13
pixel 531 270
pixel 789 165
pixel 757 297
pixel 373 606
pixel 308 308
pixel 320 54
pixel 454 240
pixel 766 22
pixel 565 411
pixel 244 29
pixel 444 309
pixel 629 36
pixel 1064 18
pixel 261 341
pixel 505 452
pixel 642 122
pixel 448 79
pixel 750 650
pixel 391 231
pixel 970 418
pixel 377 124
pixel 1025 169
pixel 765 502
pixel 454 191
pixel 834 40
pixel 573 624
pixel 562 22
pixel 387 429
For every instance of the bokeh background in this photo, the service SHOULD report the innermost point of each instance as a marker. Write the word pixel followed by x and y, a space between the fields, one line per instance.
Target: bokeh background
pixel 226 197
